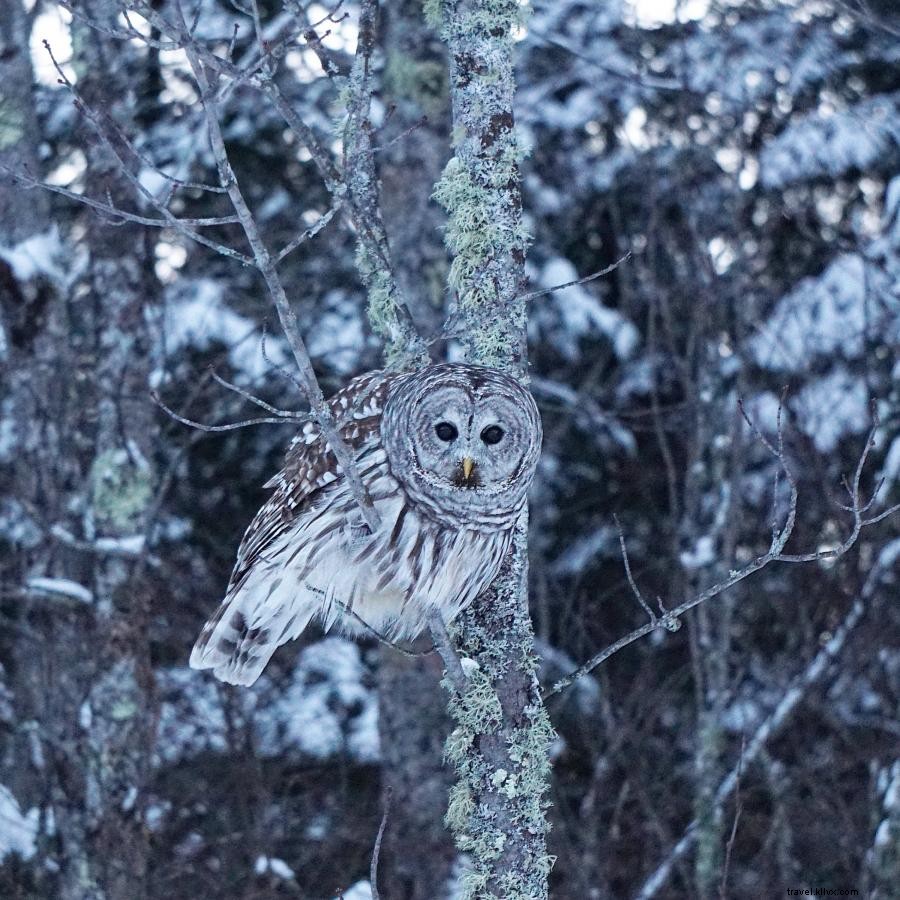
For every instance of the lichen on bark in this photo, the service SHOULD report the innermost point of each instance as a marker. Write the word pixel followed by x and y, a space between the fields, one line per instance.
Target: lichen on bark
pixel 500 744
pixel 480 184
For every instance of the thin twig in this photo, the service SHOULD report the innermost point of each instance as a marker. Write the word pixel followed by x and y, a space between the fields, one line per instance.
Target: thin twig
pixel 559 287
pixel 310 232
pixel 739 808
pixel 30 182
pixel 232 426
pixel 285 373
pixel 283 413
pixel 267 269
pixel 376 852
pixel 411 654
pixel 634 588
pixel 792 696
pixel 774 554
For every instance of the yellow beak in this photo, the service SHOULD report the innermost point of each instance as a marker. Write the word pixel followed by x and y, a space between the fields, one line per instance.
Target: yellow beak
pixel 467 465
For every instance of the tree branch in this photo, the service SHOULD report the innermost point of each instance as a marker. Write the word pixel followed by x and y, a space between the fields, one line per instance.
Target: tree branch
pixel 267 269
pixel 791 699
pixel 780 538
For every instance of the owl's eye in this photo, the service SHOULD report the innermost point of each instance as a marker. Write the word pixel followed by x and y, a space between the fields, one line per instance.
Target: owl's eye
pixel 493 434
pixel 445 431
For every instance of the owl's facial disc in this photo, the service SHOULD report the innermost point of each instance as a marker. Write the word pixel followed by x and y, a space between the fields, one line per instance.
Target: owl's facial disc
pixel 464 440
pixel 467 441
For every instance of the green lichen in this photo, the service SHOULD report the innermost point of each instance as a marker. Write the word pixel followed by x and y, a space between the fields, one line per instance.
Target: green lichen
pixel 12 124
pixel 460 807
pixel 496 19
pixel 434 12
pixel 512 793
pixel 501 755
pixel 121 490
pixel 422 81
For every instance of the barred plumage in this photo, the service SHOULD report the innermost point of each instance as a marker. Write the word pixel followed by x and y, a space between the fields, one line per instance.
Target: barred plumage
pixel 446 453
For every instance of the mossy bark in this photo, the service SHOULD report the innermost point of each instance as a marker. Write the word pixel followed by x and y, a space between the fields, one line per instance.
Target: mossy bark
pixel 500 745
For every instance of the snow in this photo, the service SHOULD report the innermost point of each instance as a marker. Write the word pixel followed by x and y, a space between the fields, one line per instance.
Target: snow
pixel 653 13
pixel 703 553
pixel 274 866
pixel 197 316
pixel 822 316
pixel 582 551
pixel 9 433
pixel 742 716
pixel 762 410
pixel 191 716
pixel 362 890
pixel 6 698
pixel 889 554
pixel 830 143
pixel 337 333
pixel 325 708
pixel 61 586
pixel 155 814
pixel 35 256
pixel 578 314
pixel 883 834
pixel 18 830
pixel 130 545
pixel 890 471
pixel 831 407
pixel 152 181
pixel 556 663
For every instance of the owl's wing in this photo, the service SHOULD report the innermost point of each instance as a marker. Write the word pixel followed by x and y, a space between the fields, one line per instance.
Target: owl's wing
pixel 310 465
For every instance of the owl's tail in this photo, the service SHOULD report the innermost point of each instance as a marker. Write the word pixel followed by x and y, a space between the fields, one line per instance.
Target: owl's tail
pixel 249 626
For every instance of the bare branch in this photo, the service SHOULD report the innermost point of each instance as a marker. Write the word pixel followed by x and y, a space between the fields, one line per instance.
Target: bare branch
pixel 310 232
pixel 388 312
pixel 791 699
pixel 774 554
pixel 267 268
pixel 281 370
pixel 559 287
pixel 117 213
pixel 376 852
pixel 284 413
pixel 233 426
pixel 634 588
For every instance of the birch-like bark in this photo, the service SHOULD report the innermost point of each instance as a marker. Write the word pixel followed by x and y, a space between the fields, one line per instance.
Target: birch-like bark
pixel 884 856
pixel 500 744
pixel 82 468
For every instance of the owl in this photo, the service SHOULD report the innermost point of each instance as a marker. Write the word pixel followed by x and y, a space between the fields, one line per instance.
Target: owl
pixel 447 454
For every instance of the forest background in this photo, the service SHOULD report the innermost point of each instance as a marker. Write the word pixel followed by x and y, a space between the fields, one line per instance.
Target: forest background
pixel 734 168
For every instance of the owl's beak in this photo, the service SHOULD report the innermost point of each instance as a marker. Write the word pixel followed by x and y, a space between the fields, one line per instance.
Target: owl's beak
pixel 468 465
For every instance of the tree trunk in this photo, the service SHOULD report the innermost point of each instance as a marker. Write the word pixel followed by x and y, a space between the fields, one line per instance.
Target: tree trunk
pixel 81 680
pixel 418 855
pixel 500 744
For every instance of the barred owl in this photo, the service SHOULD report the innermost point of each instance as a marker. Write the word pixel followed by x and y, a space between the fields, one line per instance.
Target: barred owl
pixel 447 454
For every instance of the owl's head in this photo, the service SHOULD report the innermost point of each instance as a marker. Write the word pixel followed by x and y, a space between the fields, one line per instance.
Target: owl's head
pixel 464 441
